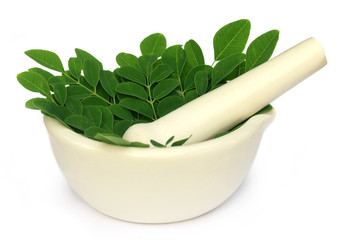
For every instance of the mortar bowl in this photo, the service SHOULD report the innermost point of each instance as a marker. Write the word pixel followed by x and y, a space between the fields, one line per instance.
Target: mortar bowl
pixel 157 185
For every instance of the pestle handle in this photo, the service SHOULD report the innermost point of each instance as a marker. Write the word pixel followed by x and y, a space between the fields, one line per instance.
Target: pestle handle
pixel 232 103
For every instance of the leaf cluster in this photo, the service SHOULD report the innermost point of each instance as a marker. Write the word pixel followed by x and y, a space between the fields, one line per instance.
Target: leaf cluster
pixel 103 104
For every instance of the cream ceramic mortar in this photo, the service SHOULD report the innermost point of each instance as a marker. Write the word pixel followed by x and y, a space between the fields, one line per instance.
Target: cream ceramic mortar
pixel 157 185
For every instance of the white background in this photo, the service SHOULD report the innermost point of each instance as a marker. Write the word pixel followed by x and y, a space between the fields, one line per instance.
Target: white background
pixel 295 188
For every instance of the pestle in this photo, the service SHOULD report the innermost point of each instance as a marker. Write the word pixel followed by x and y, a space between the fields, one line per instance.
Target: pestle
pixel 235 101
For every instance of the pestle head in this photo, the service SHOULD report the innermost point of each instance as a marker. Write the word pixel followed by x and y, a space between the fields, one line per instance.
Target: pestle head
pixel 234 102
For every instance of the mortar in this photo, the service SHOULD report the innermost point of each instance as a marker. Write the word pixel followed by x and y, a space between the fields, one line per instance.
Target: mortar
pixel 156 185
pixel 161 185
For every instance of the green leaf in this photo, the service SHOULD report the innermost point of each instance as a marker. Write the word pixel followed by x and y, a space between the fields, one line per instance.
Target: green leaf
pixel 261 49
pixel 93 113
pixel 153 44
pixel 159 73
pixel 169 140
pixel 60 93
pixel 94 100
pixel 225 66
pixel 175 57
pixel 165 87
pixel 120 112
pixel 30 103
pixel 121 126
pixel 180 142
pixel 266 109
pixel 132 74
pixel 46 58
pixel 189 82
pixel 239 70
pixel 108 82
pixel 169 104
pixel 107 118
pixel 34 82
pixel 201 82
pixel 139 144
pixel 146 63
pixel 132 89
pixel 42 72
pixel 126 59
pixel 53 110
pixel 191 95
pixel 91 71
pixel 83 56
pixel 231 39
pixel 157 144
pixel 111 138
pixel 138 106
pixel 75 67
pixel 78 92
pixel 79 122
pixel 74 105
pixel 60 80
pixel 194 54
pixel 92 131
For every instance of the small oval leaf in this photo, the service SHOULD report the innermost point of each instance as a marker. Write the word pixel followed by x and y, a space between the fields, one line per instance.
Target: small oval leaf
pixel 169 104
pixel 91 71
pixel 159 73
pixel 108 82
pixel 153 44
pixel 138 106
pixel 34 82
pixel 201 82
pixel 194 54
pixel 46 58
pixel 132 74
pixel 132 89
pixel 75 67
pixel 126 59
pixel 165 87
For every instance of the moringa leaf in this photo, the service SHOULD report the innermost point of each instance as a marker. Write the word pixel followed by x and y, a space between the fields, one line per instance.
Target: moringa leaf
pixel 42 72
pixel 165 87
pixel 169 140
pixel 121 126
pixel 132 74
pixel 175 57
pixel 46 58
pixel 139 144
pixel 75 67
pixel 79 122
pixel 201 82
pixel 157 144
pixel 191 95
pixel 159 73
pixel 169 104
pixel 34 82
pixel 180 142
pixel 146 63
pixel 30 103
pixel 111 138
pixel 74 105
pixel 120 112
pixel 78 92
pixel 60 93
pixel 108 82
pixel 91 71
pixel 93 130
pixel 83 56
pixel 231 39
pixel 60 80
pixel 261 49
pixel 94 100
pixel 138 106
pixel 194 54
pixel 189 82
pixel 132 89
pixel 153 44
pixel 225 67
pixel 93 113
pixel 127 59
pixel 107 118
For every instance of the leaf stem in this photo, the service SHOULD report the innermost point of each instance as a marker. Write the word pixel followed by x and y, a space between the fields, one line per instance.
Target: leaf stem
pixel 92 91
pixel 151 102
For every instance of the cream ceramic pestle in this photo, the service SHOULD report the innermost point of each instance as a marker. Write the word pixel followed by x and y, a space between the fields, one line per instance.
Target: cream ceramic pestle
pixel 230 104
